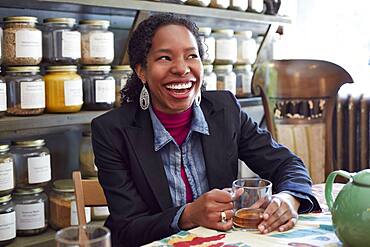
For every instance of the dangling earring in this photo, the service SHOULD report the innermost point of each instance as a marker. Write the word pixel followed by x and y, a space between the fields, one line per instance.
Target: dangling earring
pixel 144 98
pixel 198 98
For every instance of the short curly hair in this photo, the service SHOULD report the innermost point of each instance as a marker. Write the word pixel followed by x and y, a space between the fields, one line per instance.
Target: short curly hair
pixel 140 44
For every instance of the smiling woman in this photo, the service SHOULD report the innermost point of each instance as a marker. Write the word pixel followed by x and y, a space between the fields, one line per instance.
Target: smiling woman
pixel 161 156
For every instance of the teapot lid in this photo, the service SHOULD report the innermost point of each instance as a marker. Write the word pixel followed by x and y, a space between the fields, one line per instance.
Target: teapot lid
pixel 362 178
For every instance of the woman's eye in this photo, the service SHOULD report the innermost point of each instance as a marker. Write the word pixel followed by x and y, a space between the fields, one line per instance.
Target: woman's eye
pixel 193 56
pixel 164 58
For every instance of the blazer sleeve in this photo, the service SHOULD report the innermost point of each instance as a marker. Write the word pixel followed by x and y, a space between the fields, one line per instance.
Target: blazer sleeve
pixel 132 221
pixel 271 160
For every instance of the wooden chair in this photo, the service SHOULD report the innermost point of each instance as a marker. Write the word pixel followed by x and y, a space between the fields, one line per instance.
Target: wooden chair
pixel 88 193
pixel 298 97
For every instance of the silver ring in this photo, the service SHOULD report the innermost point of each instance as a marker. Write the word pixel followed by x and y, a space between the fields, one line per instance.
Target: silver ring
pixel 223 217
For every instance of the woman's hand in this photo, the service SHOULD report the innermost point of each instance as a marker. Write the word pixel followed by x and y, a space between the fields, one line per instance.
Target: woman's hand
pixel 280 214
pixel 207 211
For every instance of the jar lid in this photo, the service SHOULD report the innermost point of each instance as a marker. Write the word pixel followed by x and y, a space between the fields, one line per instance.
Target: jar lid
pixel 247 34
pixel 4 147
pixel 227 67
pixel 61 68
pixel 243 66
pixel 28 191
pixel 208 68
pixel 205 30
pixel 104 23
pixel 121 67
pixel 63 185
pixel 30 19
pixel 95 68
pixel 30 143
pixel 70 21
pixel 228 32
pixel 23 69
pixel 5 198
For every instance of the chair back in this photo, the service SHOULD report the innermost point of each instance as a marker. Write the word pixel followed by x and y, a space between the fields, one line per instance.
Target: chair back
pixel 88 192
pixel 298 97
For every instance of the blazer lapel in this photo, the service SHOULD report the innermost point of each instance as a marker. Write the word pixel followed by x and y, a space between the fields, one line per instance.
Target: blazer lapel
pixel 141 137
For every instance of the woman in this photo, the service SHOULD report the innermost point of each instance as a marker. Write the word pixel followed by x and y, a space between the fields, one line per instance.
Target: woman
pixel 166 154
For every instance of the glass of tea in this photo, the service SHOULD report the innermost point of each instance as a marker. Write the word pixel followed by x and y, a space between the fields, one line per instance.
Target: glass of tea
pixel 251 197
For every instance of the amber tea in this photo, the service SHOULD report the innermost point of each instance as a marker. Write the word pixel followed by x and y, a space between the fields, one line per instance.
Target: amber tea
pixel 248 218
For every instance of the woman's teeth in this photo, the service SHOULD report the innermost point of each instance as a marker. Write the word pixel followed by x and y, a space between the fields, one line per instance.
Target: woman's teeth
pixel 178 86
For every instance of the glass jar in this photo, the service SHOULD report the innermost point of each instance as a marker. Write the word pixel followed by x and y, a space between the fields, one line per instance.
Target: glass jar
pixel 25 91
pixel 97 43
pixel 210 78
pixel 226 78
pixel 61 44
pixel 241 5
pixel 99 88
pixel 247 47
pixel 31 210
pixel 7 220
pixel 209 45
pixel 6 170
pixel 221 4
pixel 63 210
pixel 226 46
pixel 244 76
pixel 87 165
pixel 2 95
pixel 22 41
pixel 32 163
pixel 255 6
pixel 203 3
pixel 120 74
pixel 63 89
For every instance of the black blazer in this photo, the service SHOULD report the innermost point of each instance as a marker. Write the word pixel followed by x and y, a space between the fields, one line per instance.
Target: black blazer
pixel 133 177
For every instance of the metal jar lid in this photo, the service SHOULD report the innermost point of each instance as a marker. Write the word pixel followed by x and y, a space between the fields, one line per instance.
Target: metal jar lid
pixel 30 19
pixel 30 143
pixel 228 32
pixel 63 185
pixel 5 198
pixel 243 67
pixel 4 147
pixel 95 68
pixel 61 68
pixel 104 23
pixel 205 30
pixel 121 68
pixel 28 191
pixel 69 21
pixel 23 69
pixel 247 34
pixel 227 67
pixel 208 68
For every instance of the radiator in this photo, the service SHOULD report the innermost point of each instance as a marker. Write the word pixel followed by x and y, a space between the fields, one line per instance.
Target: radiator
pixel 351 132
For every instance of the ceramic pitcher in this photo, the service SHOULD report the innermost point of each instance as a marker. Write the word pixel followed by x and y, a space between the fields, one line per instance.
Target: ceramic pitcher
pixel 351 209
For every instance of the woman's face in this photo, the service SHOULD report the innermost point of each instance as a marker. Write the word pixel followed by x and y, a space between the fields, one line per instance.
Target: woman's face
pixel 174 70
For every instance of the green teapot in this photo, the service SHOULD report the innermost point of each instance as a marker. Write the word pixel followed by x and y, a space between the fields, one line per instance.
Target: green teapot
pixel 351 209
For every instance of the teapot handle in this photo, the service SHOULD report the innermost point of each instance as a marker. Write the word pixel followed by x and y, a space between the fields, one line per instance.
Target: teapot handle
pixel 329 185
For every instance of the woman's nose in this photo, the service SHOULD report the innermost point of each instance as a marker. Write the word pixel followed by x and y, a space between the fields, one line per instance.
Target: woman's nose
pixel 180 68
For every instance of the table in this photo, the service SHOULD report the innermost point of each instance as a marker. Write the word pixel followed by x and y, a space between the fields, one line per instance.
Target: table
pixel 311 230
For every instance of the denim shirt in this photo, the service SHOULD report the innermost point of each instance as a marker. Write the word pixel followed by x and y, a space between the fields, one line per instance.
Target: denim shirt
pixel 190 154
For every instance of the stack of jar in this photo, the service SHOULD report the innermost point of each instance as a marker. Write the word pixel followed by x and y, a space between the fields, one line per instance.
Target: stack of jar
pixel 255 6
pixel 24 172
pixel 226 51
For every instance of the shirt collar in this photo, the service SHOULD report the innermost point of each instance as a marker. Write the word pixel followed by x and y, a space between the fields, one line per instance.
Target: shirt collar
pixel 161 135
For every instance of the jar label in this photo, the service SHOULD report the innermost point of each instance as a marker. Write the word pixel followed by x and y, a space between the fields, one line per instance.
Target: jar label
pixel 102 45
pixel 101 211
pixel 32 94
pixel 123 82
pixel 226 49
pixel 243 84
pixel 247 53
pixel 210 49
pixel 211 82
pixel 242 3
pixel 28 44
pixel 39 169
pixel 2 96
pixel 105 91
pixel 30 216
pixel 73 92
pixel 71 44
pixel 7 226
pixel 230 83
pixel 74 217
pixel 6 175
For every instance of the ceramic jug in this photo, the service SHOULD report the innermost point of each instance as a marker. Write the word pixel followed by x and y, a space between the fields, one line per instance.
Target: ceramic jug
pixel 351 209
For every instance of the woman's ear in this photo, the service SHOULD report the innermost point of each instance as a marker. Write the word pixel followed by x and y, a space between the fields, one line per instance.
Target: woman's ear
pixel 140 72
